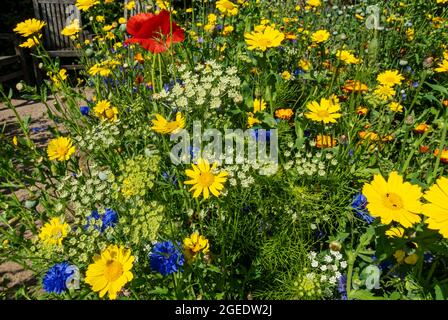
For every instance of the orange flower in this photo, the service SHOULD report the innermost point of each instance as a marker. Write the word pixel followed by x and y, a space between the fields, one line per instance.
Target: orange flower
pixel 387 138
pixel 362 111
pixel 356 86
pixel 284 114
pixel 372 136
pixel 324 141
pixel 423 149
pixel 421 128
pixel 445 103
pixel 139 58
pixel 443 156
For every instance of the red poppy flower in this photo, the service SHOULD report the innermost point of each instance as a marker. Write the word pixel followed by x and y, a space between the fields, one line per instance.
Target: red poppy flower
pixel 153 31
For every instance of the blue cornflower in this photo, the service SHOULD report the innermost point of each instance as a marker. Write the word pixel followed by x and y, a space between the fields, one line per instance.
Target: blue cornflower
pixel 166 257
pixel 428 257
pixel 84 110
pixel 256 134
pixel 342 287
pixel 359 204
pixel 170 178
pixel 55 280
pixel 108 219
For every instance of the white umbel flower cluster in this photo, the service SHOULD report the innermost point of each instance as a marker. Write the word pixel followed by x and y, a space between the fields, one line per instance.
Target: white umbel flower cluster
pixel 209 85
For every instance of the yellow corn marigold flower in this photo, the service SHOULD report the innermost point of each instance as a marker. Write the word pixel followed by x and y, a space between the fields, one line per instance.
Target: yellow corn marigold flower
pixel 262 40
pixel 53 232
pixel 259 105
pixel 324 141
pixel 29 27
pixel 251 120
pixel 384 92
pixel 390 78
pixel 395 107
pixel 195 244
pixel 362 111
pixel 393 200
pixel 14 141
pixel 205 179
pixel 110 271
pixel 347 57
pixel 443 156
pixel 437 207
pixel 122 20
pixel 60 149
pixel 30 43
pixel 85 5
pixel 304 64
pixel 99 69
pixel 163 126
pixel 105 111
pixel 354 85
pixel 442 67
pixel 313 3
pixel 72 29
pixel 326 111
pixel 227 30
pixel 284 114
pixel 227 7
pixel 320 36
pixel 286 75
pixel 395 232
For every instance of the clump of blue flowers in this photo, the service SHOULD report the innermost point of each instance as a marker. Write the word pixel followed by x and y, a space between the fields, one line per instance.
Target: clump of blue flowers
pixel 166 257
pixel 109 219
pixel 359 205
pixel 55 280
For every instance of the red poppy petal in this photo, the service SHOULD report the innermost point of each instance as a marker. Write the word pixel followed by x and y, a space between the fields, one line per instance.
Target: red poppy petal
pixel 135 23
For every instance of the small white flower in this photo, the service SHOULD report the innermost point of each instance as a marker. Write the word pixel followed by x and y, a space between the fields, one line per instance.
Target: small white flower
pixel 323 278
pixel 311 255
pixel 328 258
pixel 332 280
pixel 343 264
pixel 323 267
pixel 337 274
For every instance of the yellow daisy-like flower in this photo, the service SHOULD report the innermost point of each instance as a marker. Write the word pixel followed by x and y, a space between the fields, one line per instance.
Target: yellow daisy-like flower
pixel 251 120
pixel 110 271
pixel 262 40
pixel 227 7
pixel 395 107
pixel 324 141
pixel 442 67
pixel 286 75
pixel 395 232
pixel 304 64
pixel 320 36
pixel 284 114
pixel 105 111
pixel 347 57
pixel 384 92
pixel 72 29
pixel 53 232
pixel 29 43
pixel 393 200
pixel 163 126
pixel 60 149
pixel 259 105
pixel 437 208
pixel 98 68
pixel 205 180
pixel 326 111
pixel 195 244
pixel 29 27
pixel 313 3
pixel 390 78
pixel 85 5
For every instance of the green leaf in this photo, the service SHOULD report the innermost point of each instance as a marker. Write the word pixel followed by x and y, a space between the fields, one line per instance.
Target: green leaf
pixel 363 295
pixel 439 292
pixel 439 88
pixel 269 119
